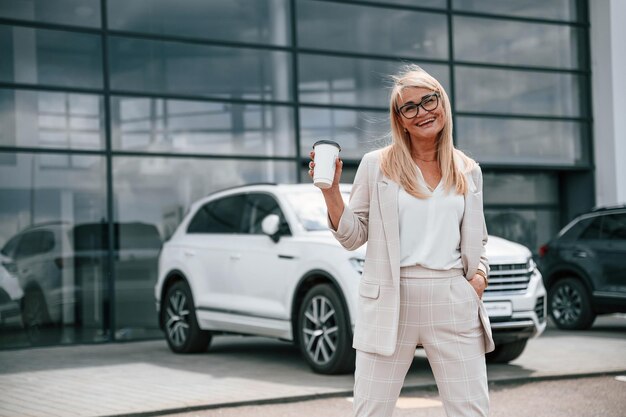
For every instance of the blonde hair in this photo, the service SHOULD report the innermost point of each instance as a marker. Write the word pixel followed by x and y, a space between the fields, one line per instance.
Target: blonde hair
pixel 396 161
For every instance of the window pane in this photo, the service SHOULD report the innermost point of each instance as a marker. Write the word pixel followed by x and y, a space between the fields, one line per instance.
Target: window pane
pixel 161 125
pixel 554 9
pixel 51 120
pixel 357 132
pixel 364 29
pixel 614 227
pixel 520 188
pixel 593 230
pixel 520 92
pixel 67 12
pixel 179 68
pixel 351 81
pixel 221 216
pixel 258 207
pixel 522 141
pixel 50 203
pixel 515 43
pixel 258 21
pixel 51 57
pixel 531 228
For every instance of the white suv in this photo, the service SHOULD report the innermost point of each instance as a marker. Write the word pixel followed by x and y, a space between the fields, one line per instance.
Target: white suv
pixel 260 260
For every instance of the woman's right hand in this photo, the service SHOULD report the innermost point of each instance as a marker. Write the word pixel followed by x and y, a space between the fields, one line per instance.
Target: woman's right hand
pixel 338 170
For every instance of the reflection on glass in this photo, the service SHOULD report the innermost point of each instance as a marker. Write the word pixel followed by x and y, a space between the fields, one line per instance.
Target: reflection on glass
pixel 521 141
pixel 258 21
pixel 515 43
pixel 161 125
pixel 357 132
pixel 178 68
pixel 310 208
pixel 57 287
pixel 67 12
pixel 421 3
pixel 554 9
pixel 363 29
pixel 50 57
pixel 353 81
pixel 519 92
pixel 531 228
pixel 520 188
pixel 54 120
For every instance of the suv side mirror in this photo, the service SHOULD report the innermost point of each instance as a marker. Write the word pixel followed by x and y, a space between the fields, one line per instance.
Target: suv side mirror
pixel 270 226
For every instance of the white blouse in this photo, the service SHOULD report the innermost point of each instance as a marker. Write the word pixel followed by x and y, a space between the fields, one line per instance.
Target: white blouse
pixel 430 229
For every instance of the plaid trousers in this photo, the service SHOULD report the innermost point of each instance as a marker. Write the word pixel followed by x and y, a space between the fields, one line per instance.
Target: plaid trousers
pixel 438 310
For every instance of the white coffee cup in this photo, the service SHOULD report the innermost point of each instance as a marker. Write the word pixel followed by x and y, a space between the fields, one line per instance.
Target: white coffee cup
pixel 326 153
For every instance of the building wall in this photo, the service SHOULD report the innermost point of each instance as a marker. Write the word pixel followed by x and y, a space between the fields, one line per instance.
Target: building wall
pixel 115 116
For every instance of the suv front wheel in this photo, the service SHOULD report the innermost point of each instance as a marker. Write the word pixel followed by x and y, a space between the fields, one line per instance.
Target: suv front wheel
pixel 325 334
pixel 570 307
pixel 182 332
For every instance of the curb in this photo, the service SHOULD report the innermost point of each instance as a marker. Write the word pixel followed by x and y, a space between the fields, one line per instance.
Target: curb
pixel 423 387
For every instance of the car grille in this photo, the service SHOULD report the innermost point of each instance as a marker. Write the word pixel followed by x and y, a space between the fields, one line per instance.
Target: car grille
pixel 509 278
pixel 540 309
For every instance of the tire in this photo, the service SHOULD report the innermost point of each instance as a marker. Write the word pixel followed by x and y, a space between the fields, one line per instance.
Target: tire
pixel 324 332
pixel 570 305
pixel 180 324
pixel 39 327
pixel 507 352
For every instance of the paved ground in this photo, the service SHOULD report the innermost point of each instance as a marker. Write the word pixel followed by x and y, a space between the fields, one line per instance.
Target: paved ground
pixel 580 397
pixel 145 377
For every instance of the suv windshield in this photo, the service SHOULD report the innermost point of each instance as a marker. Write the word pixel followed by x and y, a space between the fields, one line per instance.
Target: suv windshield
pixel 310 208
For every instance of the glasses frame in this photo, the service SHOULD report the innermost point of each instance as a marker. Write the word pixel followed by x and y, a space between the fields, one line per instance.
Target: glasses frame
pixel 418 105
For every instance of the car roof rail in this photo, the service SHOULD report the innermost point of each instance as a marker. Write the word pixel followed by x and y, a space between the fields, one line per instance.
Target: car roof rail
pixel 608 208
pixel 234 187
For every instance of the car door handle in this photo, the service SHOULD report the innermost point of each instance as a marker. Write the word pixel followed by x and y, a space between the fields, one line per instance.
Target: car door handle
pixel 235 256
pixel 580 254
pixel 189 253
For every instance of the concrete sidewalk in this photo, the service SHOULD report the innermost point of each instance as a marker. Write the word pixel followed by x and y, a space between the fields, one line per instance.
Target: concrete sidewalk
pixel 146 378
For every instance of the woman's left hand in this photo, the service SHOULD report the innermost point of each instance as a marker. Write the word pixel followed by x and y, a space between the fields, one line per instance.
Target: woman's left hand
pixel 478 282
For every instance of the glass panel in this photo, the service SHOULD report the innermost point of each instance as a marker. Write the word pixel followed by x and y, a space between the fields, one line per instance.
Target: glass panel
pixel 179 68
pixel 364 29
pixel 521 92
pixel 258 21
pixel 56 289
pixel 51 120
pixel 357 132
pixel 520 188
pixel 161 125
pixel 555 9
pixel 613 227
pixel 66 12
pixel 157 192
pixel 222 216
pixel 51 57
pixel 531 228
pixel 522 141
pixel 422 3
pixel 258 207
pixel 515 43
pixel 352 81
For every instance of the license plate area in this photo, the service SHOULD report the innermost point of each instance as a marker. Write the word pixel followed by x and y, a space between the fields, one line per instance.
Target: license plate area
pixel 498 308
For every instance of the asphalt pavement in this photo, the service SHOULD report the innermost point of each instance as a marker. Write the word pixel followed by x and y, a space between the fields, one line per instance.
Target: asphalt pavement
pixel 145 378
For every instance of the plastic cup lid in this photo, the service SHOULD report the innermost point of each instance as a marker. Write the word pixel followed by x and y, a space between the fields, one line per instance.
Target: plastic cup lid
pixel 327 142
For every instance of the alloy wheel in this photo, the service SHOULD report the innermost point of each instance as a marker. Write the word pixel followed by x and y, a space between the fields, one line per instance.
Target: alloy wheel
pixel 177 318
pixel 320 330
pixel 566 304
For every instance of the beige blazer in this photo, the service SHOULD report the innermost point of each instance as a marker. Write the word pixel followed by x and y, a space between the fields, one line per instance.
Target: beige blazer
pixel 372 216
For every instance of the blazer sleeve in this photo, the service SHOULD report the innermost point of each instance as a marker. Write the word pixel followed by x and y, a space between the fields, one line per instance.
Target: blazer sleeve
pixel 352 228
pixel 484 262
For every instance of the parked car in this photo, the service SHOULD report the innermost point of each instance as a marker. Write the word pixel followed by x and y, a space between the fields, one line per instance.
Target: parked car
pixel 10 293
pixel 61 266
pixel 584 268
pixel 260 260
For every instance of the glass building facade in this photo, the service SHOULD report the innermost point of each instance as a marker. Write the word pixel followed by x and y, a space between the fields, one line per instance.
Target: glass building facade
pixel 116 115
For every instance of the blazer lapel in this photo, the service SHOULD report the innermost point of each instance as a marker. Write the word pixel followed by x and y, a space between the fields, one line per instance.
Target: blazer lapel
pixel 471 230
pixel 388 201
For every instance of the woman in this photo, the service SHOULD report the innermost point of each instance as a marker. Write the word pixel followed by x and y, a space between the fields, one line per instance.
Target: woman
pixel 418 204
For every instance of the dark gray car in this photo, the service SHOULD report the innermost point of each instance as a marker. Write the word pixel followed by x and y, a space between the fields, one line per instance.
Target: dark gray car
pixel 584 268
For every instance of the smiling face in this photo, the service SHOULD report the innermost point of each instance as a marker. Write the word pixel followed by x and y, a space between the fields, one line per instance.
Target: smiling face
pixel 427 124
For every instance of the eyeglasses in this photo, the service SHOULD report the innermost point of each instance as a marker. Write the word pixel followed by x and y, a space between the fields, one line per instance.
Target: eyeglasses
pixel 428 103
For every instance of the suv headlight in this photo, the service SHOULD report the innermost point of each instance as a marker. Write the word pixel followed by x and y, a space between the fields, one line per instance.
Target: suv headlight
pixel 357 264
pixel 531 264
